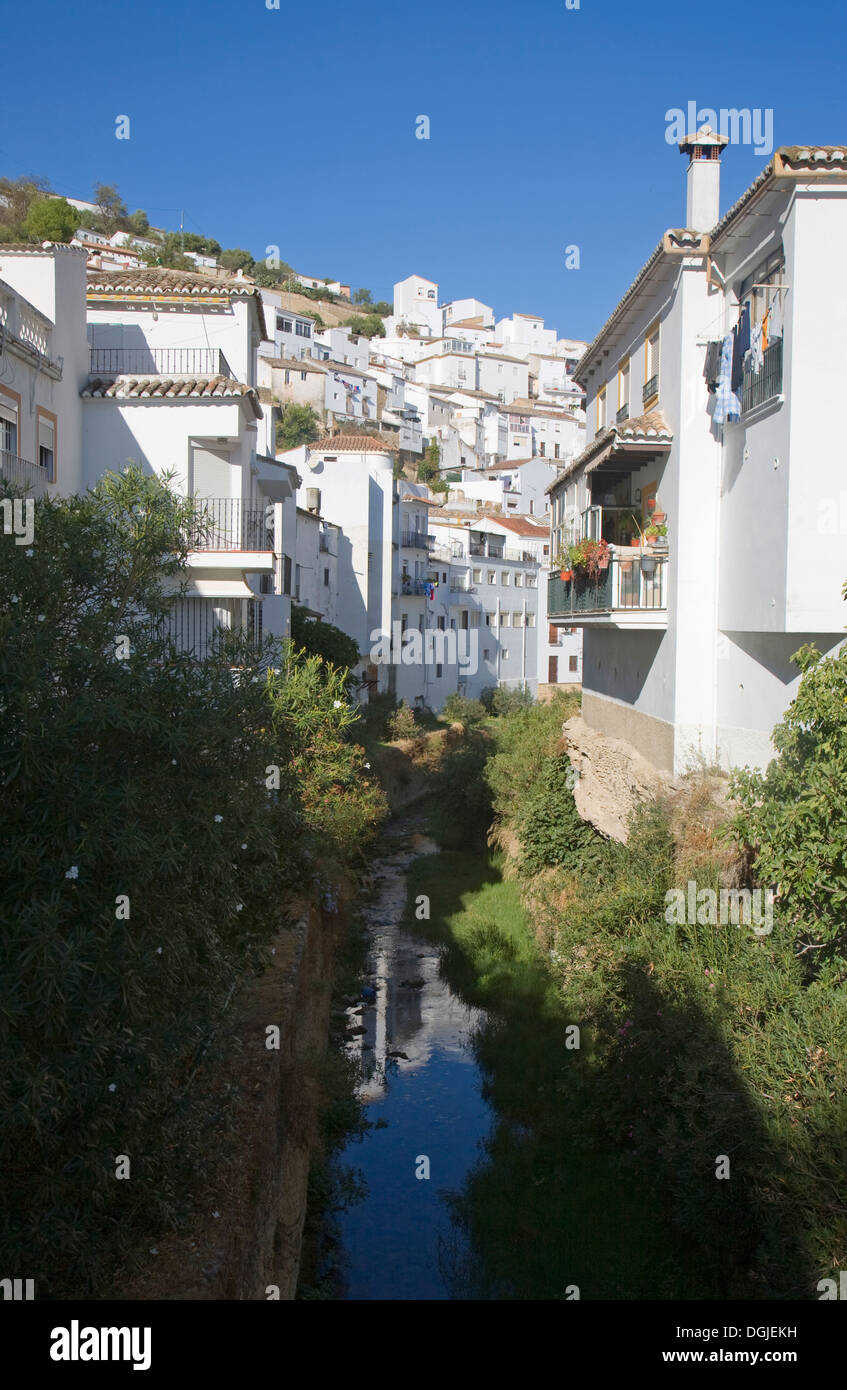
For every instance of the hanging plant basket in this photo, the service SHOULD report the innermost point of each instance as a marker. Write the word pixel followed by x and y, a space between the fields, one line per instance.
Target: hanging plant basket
pixel 648 564
pixel 566 575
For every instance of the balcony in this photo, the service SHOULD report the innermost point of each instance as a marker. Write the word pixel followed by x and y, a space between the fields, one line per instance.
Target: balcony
pixel 32 476
pixel 461 585
pixel 411 588
pixel 764 386
pixel 197 625
pixel 147 361
pixel 28 332
pixel 417 540
pixel 499 552
pixel 623 414
pixel 651 389
pixel 226 523
pixel 629 593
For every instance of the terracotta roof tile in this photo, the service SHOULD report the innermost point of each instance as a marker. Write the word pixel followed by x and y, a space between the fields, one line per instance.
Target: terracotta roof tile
pixel 352 444
pixel 169 388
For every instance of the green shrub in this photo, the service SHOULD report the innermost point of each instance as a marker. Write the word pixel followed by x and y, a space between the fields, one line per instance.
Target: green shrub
pixel 460 710
pixel 505 701
pixel 326 641
pixel 158 811
pixel 402 723
pixel 794 815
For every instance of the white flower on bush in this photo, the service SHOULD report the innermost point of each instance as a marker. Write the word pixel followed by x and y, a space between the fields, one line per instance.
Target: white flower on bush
pixel 368 766
pixel 244 846
pixel 336 704
pixel 218 820
pixel 72 872
pixel 239 907
pixel 112 1086
pixel 29 552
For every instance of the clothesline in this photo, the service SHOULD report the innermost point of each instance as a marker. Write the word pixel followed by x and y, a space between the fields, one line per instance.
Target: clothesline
pixel 705 336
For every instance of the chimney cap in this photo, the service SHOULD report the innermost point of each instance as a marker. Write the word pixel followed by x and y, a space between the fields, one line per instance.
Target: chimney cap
pixel 703 138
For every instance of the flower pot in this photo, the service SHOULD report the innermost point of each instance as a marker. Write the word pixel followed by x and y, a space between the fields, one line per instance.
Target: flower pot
pixel 603 562
pixel 566 575
pixel 648 564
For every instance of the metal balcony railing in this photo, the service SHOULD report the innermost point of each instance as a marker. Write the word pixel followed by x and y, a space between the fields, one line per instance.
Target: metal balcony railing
pixel 411 587
pixel 417 540
pixel 32 476
pixel 623 414
pixel 461 586
pixel 226 523
pixel 147 361
pixel 195 625
pixel 651 388
pixel 624 586
pixel 761 387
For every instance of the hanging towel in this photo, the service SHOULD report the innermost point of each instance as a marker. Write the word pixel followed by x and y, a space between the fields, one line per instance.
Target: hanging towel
pixel 727 405
pixel 776 324
pixel 712 365
pixel 740 347
pixel 757 352
pixel 765 331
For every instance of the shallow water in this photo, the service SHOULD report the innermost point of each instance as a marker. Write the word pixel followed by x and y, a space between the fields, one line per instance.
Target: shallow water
pixel 399 1242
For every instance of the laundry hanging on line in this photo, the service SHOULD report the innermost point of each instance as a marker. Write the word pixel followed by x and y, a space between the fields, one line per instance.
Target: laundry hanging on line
pixel 727 405
pixel 740 346
pixel 712 365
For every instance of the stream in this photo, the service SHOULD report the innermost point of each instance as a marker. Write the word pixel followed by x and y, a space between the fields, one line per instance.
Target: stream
pixel 422 1096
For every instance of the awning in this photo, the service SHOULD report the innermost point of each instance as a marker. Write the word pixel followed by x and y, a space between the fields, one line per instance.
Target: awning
pixel 219 588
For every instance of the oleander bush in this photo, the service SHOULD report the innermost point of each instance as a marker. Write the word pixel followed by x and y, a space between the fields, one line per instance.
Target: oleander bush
pixel 155 813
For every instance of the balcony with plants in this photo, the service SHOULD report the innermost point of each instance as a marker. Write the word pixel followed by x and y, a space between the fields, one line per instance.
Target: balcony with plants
pixel 622 585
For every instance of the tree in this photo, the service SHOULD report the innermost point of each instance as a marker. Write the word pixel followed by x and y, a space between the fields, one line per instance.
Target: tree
pixel 324 640
pixel 138 222
pixel 371 326
pixel 429 464
pixel 111 207
pixel 237 259
pixel 383 308
pixel 363 297
pixel 17 196
pixel 51 219
pixel 299 425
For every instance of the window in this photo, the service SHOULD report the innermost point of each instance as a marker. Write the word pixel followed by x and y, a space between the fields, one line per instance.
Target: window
pixel 532 581
pixel 530 620
pixel 326 578
pixel 283 325
pixel 506 577
pixel 505 653
pixel 9 407
pixel 47 442
pixel 651 364
pixel 601 409
pixel 302 376
pixel 572 663
pixel 517 620
pixel 485 654
pixel 286 574
pixel 430 294
pixel 404 622
pixel 504 619
pixel 623 385
pixel 492 619
pixel 518 579
pixel 438 669
pixel 303 330
pixel 492 576
pixel 541 448
pixel 476 576
pixel 555 451
pixel 440 624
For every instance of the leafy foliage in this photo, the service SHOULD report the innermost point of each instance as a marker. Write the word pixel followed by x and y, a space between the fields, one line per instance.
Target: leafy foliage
pixel 51 219
pixel 794 816
pixel 299 425
pixel 154 842
pixel 322 639
pixel 464 711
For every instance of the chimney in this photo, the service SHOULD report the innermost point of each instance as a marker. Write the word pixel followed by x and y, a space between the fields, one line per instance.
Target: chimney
pixel 704 149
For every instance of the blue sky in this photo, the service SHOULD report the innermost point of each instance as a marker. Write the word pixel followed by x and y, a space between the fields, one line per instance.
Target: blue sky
pixel 296 127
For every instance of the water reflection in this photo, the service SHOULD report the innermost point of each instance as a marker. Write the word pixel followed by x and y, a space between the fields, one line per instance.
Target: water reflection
pixel 423 1084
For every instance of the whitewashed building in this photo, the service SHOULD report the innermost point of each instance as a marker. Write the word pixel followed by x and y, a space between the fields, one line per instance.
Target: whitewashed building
pixel 688 652
pixel 43 366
